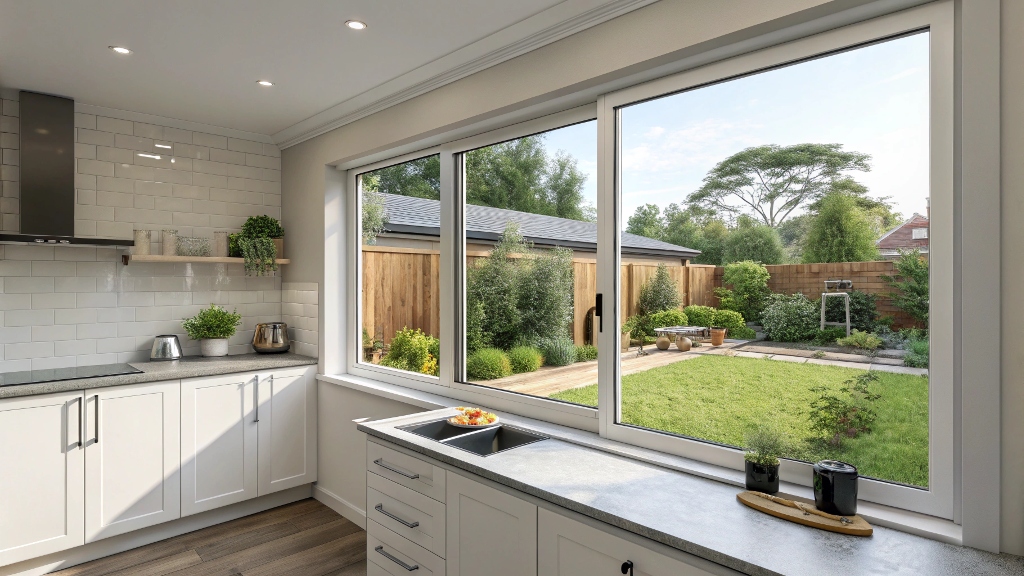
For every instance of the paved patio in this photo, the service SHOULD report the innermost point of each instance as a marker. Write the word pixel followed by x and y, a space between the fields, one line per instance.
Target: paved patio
pixel 550 380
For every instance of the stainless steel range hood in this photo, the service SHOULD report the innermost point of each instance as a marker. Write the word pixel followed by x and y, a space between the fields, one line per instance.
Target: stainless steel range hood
pixel 48 173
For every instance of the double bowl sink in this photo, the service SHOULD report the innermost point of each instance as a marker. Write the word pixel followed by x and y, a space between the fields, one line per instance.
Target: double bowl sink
pixel 483 442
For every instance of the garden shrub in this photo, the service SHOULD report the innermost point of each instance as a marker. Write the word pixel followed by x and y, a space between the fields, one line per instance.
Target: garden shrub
pixel 586 352
pixel 700 315
pixel 557 351
pixel 790 318
pixel 911 283
pixel 917 353
pixel 753 241
pixel 859 339
pixel 733 321
pixel 829 335
pixel 659 293
pixel 488 364
pixel 840 232
pixel 863 312
pixel 410 350
pixel 748 282
pixel 525 359
pixel 846 412
pixel 431 366
pixel 666 318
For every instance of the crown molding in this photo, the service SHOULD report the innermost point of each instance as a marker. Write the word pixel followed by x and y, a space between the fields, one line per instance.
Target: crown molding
pixel 539 30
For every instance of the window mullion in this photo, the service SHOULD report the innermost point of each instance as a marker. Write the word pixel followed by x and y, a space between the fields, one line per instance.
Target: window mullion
pixel 452 249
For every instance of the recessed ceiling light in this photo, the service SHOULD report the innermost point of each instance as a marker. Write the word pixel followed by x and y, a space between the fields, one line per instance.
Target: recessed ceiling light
pixel 356 24
pixel 264 82
pixel 121 50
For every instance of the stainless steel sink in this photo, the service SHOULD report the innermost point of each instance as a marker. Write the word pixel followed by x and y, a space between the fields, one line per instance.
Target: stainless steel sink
pixel 483 442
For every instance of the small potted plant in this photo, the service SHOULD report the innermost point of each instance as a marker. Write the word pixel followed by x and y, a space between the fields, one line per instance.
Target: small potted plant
pixel 261 243
pixel 765 444
pixel 212 327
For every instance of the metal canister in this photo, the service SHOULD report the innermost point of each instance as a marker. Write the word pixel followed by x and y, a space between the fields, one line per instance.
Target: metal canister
pixel 835 487
pixel 271 338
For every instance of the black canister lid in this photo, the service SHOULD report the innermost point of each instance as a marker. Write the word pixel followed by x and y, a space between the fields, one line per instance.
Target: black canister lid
pixel 836 466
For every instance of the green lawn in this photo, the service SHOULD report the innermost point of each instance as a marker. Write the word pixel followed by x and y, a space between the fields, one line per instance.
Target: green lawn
pixel 718 398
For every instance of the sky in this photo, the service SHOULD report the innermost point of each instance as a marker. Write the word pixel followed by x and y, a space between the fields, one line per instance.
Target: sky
pixel 872 100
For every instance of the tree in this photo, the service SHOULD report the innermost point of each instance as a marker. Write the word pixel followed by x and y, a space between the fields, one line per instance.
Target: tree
pixel 419 178
pixel 839 233
pixel 878 211
pixel 792 232
pixel 712 243
pixel 565 188
pixel 646 221
pixel 747 290
pixel 375 216
pixel 911 283
pixel 753 241
pixel 770 182
pixel 659 293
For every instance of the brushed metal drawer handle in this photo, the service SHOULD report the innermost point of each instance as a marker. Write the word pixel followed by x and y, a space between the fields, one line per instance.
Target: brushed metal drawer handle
pixel 380 508
pixel 380 550
pixel 380 462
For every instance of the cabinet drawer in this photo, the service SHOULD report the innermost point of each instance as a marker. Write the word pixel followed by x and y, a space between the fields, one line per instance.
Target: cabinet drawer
pixel 406 470
pixel 396 507
pixel 389 553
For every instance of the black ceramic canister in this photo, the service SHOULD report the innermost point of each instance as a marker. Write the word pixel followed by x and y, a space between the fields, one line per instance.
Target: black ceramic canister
pixel 835 487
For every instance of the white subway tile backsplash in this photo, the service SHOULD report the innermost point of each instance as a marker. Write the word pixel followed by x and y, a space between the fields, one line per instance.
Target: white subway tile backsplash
pixel 14 318
pixel 97 300
pixel 74 284
pixel 53 300
pixel 86 136
pixel 77 316
pixel 27 285
pixel 22 351
pixel 115 155
pixel 85 151
pixel 115 125
pixel 85 121
pixel 227 156
pixel 247 146
pixel 98 331
pixel 15 301
pixel 51 333
pixel 209 140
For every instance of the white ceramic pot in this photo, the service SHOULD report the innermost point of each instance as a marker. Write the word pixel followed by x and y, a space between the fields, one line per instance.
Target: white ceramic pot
pixel 214 346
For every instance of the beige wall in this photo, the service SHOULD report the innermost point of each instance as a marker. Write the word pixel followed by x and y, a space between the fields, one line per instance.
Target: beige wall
pixel 660 33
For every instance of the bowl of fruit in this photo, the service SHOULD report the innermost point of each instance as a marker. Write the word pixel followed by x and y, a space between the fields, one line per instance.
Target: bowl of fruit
pixel 473 418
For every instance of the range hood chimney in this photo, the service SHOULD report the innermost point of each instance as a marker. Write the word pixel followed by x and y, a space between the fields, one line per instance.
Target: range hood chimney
pixel 48 173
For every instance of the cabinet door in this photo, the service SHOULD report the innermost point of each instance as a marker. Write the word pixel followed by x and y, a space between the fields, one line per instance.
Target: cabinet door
pixel 218 442
pixel 567 547
pixel 287 430
pixel 489 528
pixel 41 476
pixel 132 457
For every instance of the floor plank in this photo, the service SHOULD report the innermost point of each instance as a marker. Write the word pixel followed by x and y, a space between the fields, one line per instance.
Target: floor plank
pixel 301 538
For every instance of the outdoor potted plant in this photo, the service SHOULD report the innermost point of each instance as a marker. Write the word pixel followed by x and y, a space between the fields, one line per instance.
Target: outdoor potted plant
pixel 765 444
pixel 212 327
pixel 718 335
pixel 261 243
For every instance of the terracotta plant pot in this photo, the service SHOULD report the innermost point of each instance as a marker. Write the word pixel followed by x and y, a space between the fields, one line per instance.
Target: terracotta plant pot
pixel 717 336
pixel 762 478
pixel 662 342
pixel 279 244
pixel 625 341
pixel 683 344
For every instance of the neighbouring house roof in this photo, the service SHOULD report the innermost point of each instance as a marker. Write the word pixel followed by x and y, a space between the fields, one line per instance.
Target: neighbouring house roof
pixel 902 237
pixel 422 216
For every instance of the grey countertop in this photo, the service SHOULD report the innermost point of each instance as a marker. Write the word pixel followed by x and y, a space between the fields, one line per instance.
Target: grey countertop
pixel 187 367
pixel 693 514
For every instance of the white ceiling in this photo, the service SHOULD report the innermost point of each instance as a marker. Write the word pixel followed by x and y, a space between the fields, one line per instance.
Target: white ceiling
pixel 199 60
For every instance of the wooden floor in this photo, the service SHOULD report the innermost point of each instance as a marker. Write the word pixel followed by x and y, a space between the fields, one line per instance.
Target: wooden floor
pixel 305 538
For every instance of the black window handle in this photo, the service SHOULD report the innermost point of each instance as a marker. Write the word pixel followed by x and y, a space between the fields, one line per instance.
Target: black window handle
pixel 627 567
pixel 599 312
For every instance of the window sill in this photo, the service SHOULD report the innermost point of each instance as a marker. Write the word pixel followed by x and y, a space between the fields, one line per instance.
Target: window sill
pixel 879 515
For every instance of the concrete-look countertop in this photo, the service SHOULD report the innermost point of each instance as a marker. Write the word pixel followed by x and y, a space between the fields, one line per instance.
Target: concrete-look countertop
pixel 696 515
pixel 187 367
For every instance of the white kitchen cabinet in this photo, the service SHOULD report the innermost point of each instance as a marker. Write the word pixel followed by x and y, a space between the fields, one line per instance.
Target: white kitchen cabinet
pixel 489 531
pixel 218 442
pixel 567 547
pixel 132 455
pixel 41 476
pixel 286 416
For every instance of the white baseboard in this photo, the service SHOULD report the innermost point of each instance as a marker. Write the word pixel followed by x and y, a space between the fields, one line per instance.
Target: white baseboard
pixel 124 542
pixel 350 511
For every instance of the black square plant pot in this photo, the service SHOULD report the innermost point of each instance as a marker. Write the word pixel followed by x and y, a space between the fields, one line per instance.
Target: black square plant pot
pixel 762 478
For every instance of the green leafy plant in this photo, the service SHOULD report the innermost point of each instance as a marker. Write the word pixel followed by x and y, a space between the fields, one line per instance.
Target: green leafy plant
pixel 840 232
pixel 525 359
pixel 375 215
pixel 863 312
pixel 557 351
pixel 488 364
pixel 845 412
pixel 212 322
pixel 412 350
pixel 828 336
pixel 911 284
pixel 234 250
pixel 700 315
pixel 733 322
pixel 753 241
pixel 765 444
pixel 917 353
pixel 748 282
pixel 790 318
pixel 863 340
pixel 262 227
pixel 586 353
pixel 259 254
pixel 659 293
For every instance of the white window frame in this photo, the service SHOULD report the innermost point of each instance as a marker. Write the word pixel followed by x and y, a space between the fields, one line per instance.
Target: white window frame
pixel 938 499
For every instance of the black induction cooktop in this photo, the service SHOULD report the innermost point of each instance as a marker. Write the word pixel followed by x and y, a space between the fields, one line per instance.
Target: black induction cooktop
pixel 57 374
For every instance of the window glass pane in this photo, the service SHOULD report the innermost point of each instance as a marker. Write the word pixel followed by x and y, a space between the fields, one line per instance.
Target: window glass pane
pixel 401 255
pixel 785 181
pixel 531 263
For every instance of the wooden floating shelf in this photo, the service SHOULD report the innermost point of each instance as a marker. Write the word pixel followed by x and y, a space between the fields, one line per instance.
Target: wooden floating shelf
pixel 126 258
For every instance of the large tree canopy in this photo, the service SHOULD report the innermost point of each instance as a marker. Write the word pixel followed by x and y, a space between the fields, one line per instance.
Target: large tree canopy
pixel 420 178
pixel 770 182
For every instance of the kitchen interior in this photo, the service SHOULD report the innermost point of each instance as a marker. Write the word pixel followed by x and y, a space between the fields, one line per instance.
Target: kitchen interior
pixel 180 382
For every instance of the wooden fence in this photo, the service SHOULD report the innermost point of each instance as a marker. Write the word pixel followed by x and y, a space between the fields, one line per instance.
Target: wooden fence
pixel 400 287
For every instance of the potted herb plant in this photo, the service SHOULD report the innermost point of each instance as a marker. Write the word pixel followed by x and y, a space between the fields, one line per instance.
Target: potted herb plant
pixel 212 327
pixel 261 243
pixel 765 444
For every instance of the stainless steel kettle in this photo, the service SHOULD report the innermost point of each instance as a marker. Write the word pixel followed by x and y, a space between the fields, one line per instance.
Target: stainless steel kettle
pixel 271 338
pixel 165 347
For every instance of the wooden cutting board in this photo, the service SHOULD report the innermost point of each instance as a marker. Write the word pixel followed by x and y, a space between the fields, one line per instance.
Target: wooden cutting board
pixel 857 527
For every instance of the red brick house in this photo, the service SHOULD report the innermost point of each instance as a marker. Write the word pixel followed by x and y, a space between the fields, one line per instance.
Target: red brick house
pixel 911 235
